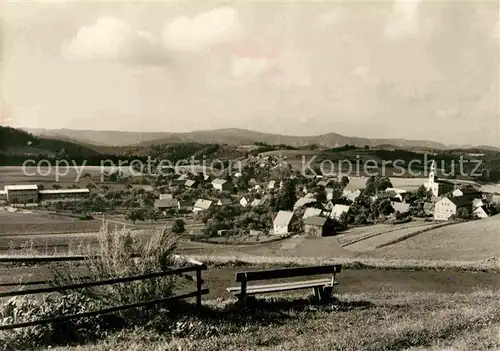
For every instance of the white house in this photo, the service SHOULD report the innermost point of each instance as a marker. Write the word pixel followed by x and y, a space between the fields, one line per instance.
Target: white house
pixel 243 202
pixel 447 207
pixel 338 210
pixel 271 185
pixel 282 222
pixel 166 196
pixel 478 203
pixel 481 212
pixel 202 205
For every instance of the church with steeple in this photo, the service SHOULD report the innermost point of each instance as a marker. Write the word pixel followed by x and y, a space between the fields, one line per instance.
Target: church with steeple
pixel 436 186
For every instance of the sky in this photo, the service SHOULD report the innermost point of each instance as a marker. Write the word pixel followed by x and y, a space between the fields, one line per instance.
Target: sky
pixel 395 69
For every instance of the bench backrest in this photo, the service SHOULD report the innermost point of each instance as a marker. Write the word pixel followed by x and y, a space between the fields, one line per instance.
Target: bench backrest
pixel 287 272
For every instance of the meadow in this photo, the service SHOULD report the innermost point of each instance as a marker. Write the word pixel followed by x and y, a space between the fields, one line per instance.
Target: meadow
pixel 365 321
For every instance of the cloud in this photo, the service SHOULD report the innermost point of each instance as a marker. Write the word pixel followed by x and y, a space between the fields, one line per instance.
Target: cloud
pixel 113 39
pixel 360 71
pixel 447 112
pixel 329 18
pixel 203 30
pixel 404 19
pixel 249 67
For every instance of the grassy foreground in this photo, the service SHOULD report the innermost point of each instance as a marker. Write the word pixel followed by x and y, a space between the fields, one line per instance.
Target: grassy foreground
pixel 381 321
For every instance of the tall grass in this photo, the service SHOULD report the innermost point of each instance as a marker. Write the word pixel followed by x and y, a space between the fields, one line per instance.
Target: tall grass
pixel 119 253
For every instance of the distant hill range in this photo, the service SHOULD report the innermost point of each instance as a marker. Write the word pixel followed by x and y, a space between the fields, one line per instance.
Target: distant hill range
pixel 17 142
pixel 232 136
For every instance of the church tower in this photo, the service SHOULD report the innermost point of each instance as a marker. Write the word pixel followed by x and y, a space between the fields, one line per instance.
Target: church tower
pixel 432 174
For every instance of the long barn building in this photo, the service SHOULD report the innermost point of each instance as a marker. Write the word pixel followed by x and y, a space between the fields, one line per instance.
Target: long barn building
pixel 30 193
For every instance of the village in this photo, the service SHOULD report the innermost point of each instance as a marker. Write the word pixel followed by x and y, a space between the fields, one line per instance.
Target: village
pixel 267 197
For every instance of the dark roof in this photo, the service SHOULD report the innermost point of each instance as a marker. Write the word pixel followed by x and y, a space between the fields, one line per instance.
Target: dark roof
pixel 461 201
pixel 469 191
pixel 315 220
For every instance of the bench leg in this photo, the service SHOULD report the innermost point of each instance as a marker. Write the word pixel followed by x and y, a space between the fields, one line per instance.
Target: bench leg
pixel 318 293
pixel 243 299
pixel 327 293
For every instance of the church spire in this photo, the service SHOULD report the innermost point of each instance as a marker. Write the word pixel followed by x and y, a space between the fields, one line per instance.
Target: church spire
pixel 432 174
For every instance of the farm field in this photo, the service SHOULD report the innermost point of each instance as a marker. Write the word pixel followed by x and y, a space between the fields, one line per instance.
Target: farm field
pixel 469 241
pixel 386 238
pixel 359 233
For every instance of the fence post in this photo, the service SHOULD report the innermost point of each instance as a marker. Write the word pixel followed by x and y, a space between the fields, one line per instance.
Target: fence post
pixel 199 283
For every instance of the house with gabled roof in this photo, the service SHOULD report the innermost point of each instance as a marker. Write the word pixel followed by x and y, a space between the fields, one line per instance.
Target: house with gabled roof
pixel 311 212
pixel 468 192
pixel 338 210
pixel 222 184
pixel 481 212
pixel 190 183
pixel 303 201
pixel 202 205
pixel 244 202
pixel 282 224
pixel 318 226
pixel 447 207
pixel 166 204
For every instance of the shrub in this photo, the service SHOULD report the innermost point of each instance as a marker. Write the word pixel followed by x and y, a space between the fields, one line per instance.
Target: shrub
pixel 28 308
pixel 120 254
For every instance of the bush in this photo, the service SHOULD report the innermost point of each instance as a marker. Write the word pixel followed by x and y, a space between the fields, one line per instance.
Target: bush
pixel 28 308
pixel 119 254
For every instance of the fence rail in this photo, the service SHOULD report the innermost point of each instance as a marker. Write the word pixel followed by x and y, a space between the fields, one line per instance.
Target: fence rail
pixel 195 266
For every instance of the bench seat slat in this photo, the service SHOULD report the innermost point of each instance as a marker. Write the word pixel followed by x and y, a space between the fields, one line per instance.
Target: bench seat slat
pixel 287 272
pixel 260 289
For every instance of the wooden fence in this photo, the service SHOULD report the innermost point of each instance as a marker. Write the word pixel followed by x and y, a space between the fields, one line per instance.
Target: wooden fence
pixel 194 266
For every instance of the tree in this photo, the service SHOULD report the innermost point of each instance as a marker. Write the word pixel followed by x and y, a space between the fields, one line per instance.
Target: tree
pixel 344 181
pixel 56 186
pixel 377 183
pixel 320 195
pixel 423 193
pixel 385 208
pixel 179 226
pixel 135 215
pixel 286 197
pixel 464 213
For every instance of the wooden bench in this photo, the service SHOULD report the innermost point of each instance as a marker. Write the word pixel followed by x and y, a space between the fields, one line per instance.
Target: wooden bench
pixel 322 288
